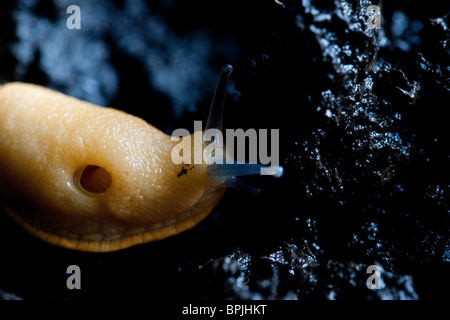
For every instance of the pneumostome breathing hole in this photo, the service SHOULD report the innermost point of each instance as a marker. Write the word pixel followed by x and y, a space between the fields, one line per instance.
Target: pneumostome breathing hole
pixel 93 179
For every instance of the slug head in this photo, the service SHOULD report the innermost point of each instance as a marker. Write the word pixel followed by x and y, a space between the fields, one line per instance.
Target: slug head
pixel 91 178
pixel 97 179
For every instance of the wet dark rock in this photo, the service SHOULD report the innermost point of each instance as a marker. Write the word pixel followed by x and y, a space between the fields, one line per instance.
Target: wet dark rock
pixel 294 273
pixel 364 142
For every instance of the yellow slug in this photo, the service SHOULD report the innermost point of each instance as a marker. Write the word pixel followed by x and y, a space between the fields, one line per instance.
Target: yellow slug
pixel 97 179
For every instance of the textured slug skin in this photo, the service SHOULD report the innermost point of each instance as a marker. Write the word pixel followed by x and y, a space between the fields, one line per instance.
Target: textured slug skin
pixel 46 138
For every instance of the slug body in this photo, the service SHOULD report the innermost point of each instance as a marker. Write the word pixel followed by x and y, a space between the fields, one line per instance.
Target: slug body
pixel 95 179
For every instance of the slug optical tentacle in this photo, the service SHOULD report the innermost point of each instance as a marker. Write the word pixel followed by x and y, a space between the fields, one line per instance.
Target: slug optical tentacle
pixel 215 118
pixel 225 171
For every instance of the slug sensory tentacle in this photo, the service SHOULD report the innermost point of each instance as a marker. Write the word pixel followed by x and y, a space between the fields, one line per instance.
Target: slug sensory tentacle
pixel 225 171
pixel 97 179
